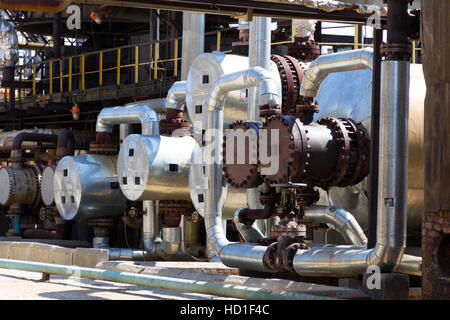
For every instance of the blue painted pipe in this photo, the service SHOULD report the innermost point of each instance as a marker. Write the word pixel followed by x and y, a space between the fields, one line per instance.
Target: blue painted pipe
pixel 185 285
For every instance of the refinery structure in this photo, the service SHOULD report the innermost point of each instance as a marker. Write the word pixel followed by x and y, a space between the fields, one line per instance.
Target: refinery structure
pixel 294 140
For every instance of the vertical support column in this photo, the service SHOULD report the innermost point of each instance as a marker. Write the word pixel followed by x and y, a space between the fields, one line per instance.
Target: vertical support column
pixel 193 40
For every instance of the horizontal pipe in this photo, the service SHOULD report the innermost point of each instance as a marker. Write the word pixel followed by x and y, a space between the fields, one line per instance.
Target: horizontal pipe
pixel 408 264
pixel 176 96
pixel 184 285
pixel 343 221
pixel 335 62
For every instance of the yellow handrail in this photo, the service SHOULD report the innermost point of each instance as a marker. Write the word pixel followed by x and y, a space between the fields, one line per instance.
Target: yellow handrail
pixel 153 61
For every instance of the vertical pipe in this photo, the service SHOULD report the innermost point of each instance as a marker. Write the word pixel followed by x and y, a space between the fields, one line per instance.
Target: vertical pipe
pixel 193 39
pixel 375 139
pixel 259 55
pixel 124 131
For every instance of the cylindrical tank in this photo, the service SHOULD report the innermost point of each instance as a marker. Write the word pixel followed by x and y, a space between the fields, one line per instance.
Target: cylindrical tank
pixel 20 185
pixel 349 95
pixel 154 167
pixel 86 186
pixel 47 194
pixel 206 69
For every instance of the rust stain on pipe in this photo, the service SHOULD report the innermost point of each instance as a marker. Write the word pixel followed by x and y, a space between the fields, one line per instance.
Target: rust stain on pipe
pixel 35 5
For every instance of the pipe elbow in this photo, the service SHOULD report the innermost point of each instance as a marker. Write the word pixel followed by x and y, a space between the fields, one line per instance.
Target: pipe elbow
pixel 386 258
pixel 331 63
pixel 143 114
pixel 176 96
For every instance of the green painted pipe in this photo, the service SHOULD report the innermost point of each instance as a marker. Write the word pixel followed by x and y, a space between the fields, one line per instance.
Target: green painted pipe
pixel 185 285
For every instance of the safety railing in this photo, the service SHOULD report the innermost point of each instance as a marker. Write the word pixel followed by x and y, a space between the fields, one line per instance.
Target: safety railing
pixel 128 64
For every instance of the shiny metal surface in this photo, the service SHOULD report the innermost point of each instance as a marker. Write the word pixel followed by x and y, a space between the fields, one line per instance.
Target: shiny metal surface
pixel 193 40
pixel 251 234
pixel 259 51
pixel 340 219
pixel 153 167
pixel 20 185
pixel 231 198
pixel 393 170
pixel 86 186
pixel 100 242
pixel 47 194
pixel 205 70
pixel 176 96
pixel 331 63
pixel 393 185
pixel 352 99
pixel 143 114
pixel 231 254
pixel 171 240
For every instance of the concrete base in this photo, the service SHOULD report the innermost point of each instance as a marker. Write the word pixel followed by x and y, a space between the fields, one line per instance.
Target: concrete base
pixel 389 286
pixel 38 252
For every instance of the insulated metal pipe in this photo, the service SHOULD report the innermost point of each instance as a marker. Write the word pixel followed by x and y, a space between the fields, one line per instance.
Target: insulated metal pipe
pixel 176 96
pixel 143 114
pixel 193 40
pixel 232 254
pixel 335 62
pixel 342 220
pixel 392 190
pixel 251 234
pixel 185 285
pixel 260 40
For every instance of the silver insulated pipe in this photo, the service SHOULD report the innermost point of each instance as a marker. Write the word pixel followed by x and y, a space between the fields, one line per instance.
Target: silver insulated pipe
pixel 237 255
pixel 193 40
pixel 335 62
pixel 143 114
pixel 176 96
pixel 154 247
pixel 392 189
pixel 260 40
